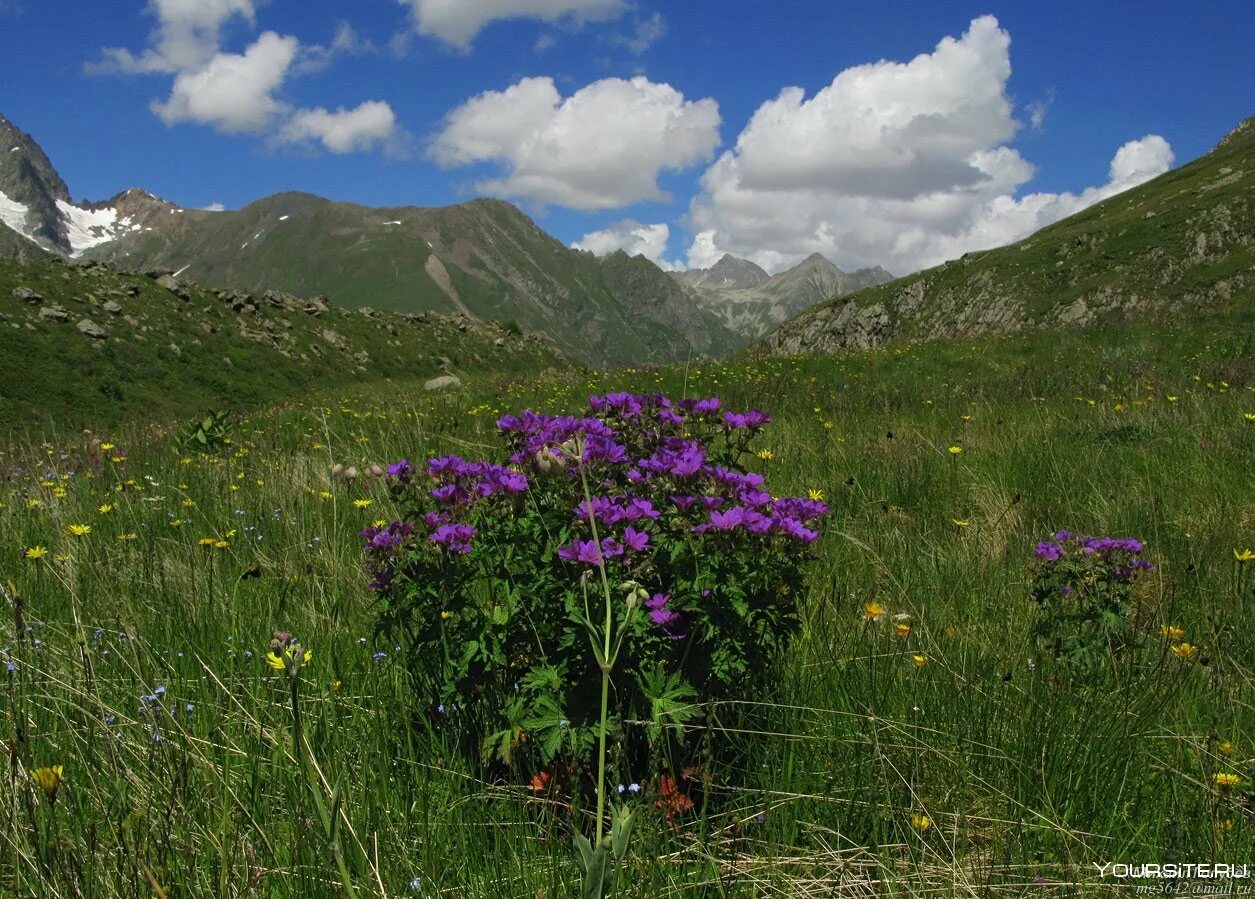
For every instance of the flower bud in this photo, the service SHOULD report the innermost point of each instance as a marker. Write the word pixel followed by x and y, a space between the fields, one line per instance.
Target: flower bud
pixel 375 471
pixel 350 473
pixel 337 470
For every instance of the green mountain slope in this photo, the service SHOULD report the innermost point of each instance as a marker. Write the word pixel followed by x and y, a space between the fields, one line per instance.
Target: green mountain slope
pixel 484 258
pixel 79 344
pixel 1183 242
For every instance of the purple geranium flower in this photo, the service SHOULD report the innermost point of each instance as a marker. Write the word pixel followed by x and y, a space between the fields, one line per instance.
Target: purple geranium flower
pixel 636 541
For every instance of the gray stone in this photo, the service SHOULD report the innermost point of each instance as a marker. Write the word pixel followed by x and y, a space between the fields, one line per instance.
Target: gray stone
pixel 443 382
pixel 92 330
pixel 26 295
pixel 53 314
pixel 111 307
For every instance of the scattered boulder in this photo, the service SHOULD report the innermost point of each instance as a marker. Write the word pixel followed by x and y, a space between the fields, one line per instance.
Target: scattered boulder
pixel 444 382
pixel 111 307
pixel 167 281
pixel 26 295
pixel 132 290
pixel 500 341
pixel 53 314
pixel 333 337
pixel 92 330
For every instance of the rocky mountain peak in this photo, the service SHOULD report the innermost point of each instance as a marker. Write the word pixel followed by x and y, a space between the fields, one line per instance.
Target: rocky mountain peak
pixel 30 189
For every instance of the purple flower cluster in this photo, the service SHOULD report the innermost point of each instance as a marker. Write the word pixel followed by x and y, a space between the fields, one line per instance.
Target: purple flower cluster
pixel 1120 555
pixel 460 482
pixel 669 620
pixel 659 470
pixel 383 551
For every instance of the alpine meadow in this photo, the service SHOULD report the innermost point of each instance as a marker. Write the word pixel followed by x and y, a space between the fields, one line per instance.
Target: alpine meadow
pixel 899 541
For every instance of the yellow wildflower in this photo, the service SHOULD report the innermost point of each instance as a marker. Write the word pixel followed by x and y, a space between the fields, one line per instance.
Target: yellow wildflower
pixel 105 509
pixel 293 658
pixel 874 610
pixel 816 495
pixel 48 779
pixel 1184 651
pixel 955 450
pixel 362 503
pixel 1225 779
pixel 902 629
pixel 36 552
pixel 921 822
pixel 1172 632
pixel 919 660
pixel 766 454
pixel 1243 556
pixel 1226 747
pixel 80 530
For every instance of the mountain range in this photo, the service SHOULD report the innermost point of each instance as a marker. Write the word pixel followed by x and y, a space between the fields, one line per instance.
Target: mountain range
pixel 484 258
pixel 1182 243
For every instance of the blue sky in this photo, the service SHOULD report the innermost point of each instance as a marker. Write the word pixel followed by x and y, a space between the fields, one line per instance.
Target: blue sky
pixel 950 126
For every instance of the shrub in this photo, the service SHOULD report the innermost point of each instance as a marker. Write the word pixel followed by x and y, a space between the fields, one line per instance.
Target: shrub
pixel 207 436
pixel 1082 587
pixel 486 577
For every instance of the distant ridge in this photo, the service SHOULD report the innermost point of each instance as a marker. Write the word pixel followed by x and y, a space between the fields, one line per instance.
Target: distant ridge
pixel 1182 242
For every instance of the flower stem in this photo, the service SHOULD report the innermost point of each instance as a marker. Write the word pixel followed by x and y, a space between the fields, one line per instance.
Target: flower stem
pixel 601 752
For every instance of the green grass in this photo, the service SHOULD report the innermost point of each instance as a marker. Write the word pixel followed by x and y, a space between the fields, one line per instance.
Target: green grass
pixel 1023 773
pixel 168 358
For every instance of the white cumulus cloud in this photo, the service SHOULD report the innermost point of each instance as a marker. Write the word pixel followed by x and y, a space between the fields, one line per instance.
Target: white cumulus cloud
pixel 188 34
pixel 603 147
pixel 457 22
pixel 240 93
pixel 900 164
pixel 372 124
pixel 633 238
pixel 233 92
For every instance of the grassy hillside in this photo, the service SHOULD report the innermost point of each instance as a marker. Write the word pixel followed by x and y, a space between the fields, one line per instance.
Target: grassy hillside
pixel 984 769
pixel 484 258
pixel 1182 243
pixel 169 354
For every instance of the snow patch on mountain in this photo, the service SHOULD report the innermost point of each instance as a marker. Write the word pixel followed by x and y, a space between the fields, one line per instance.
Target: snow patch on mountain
pixel 87 228
pixel 13 214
